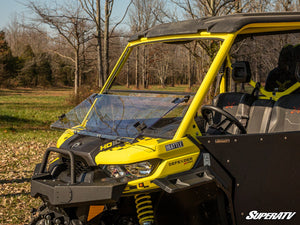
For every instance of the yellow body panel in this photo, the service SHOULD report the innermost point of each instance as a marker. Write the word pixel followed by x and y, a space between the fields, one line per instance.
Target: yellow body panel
pixel 172 161
pixel 145 149
pixel 66 135
pixel 167 167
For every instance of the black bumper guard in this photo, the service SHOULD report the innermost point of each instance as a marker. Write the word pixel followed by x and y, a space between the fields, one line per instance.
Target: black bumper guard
pixel 58 192
pixel 62 151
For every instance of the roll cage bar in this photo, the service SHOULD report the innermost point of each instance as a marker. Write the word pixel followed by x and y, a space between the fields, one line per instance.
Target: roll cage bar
pixel 255 24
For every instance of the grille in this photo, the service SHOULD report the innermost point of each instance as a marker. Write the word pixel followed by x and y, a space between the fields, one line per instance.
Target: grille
pixel 80 166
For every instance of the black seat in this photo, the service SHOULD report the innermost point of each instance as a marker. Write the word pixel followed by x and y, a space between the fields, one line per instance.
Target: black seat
pixel 237 104
pixel 259 116
pixel 286 114
pixel 283 76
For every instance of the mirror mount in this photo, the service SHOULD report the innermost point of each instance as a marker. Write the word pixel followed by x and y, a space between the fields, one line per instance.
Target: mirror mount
pixel 241 72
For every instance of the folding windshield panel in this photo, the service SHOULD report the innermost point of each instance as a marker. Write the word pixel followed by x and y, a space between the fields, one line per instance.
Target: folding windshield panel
pixel 118 117
pixel 75 116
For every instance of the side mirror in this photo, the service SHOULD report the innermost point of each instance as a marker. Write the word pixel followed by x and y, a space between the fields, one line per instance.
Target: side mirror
pixel 241 72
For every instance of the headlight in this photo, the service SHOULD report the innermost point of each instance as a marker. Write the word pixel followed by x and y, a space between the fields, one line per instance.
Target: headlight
pixel 141 169
pixel 132 171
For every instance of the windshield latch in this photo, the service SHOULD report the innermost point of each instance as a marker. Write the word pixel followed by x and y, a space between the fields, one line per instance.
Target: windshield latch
pixel 140 126
pixel 180 100
pixel 61 116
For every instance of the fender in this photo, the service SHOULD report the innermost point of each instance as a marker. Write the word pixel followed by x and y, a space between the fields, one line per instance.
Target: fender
pixel 209 171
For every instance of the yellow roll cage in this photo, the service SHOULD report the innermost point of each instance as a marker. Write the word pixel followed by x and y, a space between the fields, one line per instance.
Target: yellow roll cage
pixel 223 53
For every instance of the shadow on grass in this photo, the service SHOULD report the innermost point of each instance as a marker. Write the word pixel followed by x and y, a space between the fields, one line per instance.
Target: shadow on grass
pixel 18 181
pixel 35 106
pixel 10 92
pixel 22 91
pixel 13 119
pixel 14 194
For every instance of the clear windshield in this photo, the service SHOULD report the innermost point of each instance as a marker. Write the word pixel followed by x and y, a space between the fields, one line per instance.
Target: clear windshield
pixel 149 96
pixel 117 117
pixel 75 116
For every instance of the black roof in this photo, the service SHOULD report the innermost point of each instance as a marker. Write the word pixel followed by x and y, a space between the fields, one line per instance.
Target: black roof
pixel 218 24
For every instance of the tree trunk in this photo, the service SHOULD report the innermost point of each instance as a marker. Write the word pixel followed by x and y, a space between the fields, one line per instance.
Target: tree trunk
pixel 137 83
pixel 144 68
pixel 82 76
pixel 76 73
pixel 237 6
pixel 100 63
pixel 99 47
pixel 162 82
pixel 190 70
pixel 106 40
pixel 172 78
pixel 127 74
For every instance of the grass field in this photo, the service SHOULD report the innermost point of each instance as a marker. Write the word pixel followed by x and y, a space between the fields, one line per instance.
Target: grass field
pixel 25 117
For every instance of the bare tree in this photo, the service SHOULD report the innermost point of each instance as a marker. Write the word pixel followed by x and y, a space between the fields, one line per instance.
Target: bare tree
pixel 144 15
pixel 199 8
pixel 93 9
pixel 195 9
pixel 259 6
pixel 68 22
pixel 19 36
pixel 285 5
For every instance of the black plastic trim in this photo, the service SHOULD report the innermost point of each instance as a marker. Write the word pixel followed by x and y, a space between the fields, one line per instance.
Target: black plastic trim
pixel 61 193
pixel 201 176
pixel 186 180
pixel 217 24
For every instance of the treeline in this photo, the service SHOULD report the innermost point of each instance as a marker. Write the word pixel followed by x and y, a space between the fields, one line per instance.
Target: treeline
pixel 77 42
pixel 30 69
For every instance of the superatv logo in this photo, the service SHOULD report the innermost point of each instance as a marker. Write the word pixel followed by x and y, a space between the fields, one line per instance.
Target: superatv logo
pixel 254 215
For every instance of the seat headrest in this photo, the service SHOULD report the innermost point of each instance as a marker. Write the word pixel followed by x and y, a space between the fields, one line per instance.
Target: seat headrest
pixel 286 58
pixel 297 62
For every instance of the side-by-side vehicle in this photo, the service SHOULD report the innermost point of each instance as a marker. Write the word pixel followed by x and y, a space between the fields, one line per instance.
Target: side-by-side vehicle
pixel 224 153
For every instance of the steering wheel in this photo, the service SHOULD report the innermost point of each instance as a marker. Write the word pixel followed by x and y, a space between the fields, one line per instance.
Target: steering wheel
pixel 207 111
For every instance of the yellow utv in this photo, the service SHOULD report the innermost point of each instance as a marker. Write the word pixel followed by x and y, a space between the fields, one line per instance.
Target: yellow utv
pixel 224 152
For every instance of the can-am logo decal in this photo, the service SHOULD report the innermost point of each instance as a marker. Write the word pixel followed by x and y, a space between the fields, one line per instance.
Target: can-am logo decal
pixel 230 105
pixel 255 215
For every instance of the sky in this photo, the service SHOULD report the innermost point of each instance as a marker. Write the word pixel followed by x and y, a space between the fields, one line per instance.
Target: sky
pixel 10 8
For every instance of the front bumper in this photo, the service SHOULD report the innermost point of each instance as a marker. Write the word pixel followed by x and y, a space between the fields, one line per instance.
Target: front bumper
pixel 57 192
pixel 61 193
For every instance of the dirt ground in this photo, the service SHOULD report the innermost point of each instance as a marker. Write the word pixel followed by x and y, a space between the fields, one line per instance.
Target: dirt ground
pixel 25 118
